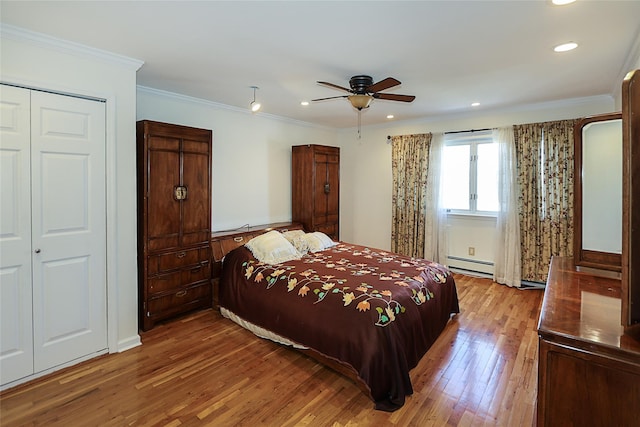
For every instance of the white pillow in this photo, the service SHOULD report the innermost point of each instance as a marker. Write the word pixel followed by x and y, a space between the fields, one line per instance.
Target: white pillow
pixel 318 241
pixel 272 248
pixel 297 239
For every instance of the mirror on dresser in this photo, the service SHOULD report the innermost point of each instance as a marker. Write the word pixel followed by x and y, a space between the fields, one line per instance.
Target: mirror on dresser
pixel 598 192
pixel 631 203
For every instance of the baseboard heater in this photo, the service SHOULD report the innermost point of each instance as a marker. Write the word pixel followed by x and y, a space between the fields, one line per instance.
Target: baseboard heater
pixel 470 265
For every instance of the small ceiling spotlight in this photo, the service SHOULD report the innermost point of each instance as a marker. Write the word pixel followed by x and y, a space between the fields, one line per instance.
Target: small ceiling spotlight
pixel 565 47
pixel 255 106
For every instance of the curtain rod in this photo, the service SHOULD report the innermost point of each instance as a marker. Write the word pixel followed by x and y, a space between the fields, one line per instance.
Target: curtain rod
pixel 456 131
pixel 470 130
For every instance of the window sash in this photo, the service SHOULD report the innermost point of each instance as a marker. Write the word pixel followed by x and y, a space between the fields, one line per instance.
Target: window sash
pixel 473 141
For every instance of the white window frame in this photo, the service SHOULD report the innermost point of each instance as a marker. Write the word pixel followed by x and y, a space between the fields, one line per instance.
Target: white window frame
pixel 473 139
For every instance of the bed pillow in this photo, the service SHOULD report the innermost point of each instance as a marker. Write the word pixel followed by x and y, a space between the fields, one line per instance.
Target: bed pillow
pixel 318 241
pixel 272 248
pixel 297 239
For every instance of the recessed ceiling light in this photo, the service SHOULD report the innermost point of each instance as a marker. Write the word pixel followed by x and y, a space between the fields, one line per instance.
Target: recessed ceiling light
pixel 475 104
pixel 305 103
pixel 565 47
pixel 561 2
pixel 389 116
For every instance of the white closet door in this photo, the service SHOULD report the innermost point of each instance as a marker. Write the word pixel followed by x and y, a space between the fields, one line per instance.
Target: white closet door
pixel 16 340
pixel 69 228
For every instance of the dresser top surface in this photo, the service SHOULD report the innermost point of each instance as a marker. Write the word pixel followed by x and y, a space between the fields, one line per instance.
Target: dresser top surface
pixel 585 307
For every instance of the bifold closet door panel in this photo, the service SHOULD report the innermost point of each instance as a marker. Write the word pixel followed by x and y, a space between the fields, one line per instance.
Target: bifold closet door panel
pixel 68 208
pixel 16 347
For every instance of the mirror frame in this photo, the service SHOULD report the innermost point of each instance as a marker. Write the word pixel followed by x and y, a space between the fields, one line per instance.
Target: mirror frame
pixel 631 203
pixel 585 257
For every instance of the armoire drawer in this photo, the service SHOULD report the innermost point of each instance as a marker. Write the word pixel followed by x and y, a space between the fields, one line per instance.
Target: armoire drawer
pixel 180 301
pixel 170 261
pixel 179 279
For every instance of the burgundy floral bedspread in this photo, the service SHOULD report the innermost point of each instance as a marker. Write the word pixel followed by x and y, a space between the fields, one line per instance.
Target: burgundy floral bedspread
pixel 375 311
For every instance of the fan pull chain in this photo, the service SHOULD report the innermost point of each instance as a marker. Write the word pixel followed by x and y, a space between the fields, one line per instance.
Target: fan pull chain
pixel 359 124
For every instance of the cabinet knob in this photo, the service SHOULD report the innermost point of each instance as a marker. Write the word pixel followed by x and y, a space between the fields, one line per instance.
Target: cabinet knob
pixel 37 251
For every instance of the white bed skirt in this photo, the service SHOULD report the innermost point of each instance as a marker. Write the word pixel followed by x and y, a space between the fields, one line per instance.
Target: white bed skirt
pixel 257 330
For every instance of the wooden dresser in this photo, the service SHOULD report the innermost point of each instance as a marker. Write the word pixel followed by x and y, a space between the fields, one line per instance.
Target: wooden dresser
pixel 588 368
pixel 222 242
pixel 315 188
pixel 174 220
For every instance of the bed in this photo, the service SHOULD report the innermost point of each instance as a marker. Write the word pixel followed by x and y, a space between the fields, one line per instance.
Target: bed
pixel 370 314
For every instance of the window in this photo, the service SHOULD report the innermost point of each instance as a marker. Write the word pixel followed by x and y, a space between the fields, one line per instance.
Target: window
pixel 470 173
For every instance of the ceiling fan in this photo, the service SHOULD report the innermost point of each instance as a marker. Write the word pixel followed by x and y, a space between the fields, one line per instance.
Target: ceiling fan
pixel 363 91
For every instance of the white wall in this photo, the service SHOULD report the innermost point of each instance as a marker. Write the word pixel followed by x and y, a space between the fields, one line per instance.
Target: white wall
pixel 251 155
pixel 34 61
pixel 366 171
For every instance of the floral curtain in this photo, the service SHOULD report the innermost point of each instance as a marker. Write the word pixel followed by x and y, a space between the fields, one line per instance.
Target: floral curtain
pixel 410 163
pixel 544 153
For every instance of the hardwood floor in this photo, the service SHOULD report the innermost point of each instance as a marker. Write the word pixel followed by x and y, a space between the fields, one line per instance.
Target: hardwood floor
pixel 202 369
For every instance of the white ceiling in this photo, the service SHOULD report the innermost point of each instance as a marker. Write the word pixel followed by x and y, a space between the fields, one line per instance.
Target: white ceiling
pixel 446 53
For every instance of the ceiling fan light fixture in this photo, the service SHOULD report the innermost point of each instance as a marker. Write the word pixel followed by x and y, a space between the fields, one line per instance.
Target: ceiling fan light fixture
pixel 255 106
pixel 360 101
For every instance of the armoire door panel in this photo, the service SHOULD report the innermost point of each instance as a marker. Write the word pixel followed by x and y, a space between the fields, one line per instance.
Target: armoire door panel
pixel 333 198
pixel 162 204
pixel 321 187
pixel 68 199
pixel 195 146
pixel 164 142
pixel 196 224
pixel 16 340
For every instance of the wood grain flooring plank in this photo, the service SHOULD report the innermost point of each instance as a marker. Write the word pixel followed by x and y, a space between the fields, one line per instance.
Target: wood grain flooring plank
pixel 202 369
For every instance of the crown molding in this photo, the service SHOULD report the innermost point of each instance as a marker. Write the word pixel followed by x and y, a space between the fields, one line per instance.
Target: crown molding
pixel 213 104
pixel 524 108
pixel 68 47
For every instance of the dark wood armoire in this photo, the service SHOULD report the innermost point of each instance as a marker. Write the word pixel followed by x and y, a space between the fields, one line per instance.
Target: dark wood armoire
pixel 315 178
pixel 174 220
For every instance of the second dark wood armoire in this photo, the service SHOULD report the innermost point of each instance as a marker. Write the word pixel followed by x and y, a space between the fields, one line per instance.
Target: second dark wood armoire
pixel 174 220
pixel 315 188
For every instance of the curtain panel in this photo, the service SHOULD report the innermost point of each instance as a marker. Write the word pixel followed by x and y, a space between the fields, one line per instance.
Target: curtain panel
pixel 436 248
pixel 410 164
pixel 544 154
pixel 507 269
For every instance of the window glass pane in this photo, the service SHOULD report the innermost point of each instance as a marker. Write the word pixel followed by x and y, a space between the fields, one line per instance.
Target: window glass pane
pixel 487 177
pixel 455 176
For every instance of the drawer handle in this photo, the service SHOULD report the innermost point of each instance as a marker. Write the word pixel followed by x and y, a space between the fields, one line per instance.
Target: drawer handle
pixel 181 293
pixel 181 254
pixel 196 269
pixel 238 239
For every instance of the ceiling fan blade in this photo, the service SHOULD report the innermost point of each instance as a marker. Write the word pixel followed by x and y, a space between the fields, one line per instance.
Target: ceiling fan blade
pixel 331 97
pixel 334 86
pixel 394 97
pixel 383 84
